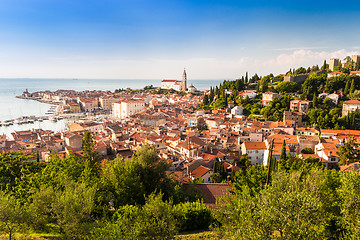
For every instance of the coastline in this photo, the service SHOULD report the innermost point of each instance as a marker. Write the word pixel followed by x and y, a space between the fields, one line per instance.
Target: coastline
pixel 38 100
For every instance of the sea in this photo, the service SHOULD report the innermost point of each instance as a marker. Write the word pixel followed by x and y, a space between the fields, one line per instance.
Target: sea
pixel 12 107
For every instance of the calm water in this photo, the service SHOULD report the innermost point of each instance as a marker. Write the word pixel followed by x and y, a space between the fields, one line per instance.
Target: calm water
pixel 12 107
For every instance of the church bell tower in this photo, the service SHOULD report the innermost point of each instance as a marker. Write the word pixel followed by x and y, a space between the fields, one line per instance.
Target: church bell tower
pixel 183 82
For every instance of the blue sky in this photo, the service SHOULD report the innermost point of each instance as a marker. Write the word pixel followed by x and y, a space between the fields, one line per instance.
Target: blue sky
pixel 140 39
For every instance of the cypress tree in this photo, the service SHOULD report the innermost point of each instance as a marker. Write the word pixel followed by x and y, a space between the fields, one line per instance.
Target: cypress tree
pixel 206 100
pixel 315 102
pixel 324 66
pixel 346 90
pixel 352 87
pixel 215 169
pixel 246 77
pixel 282 159
pixel 211 95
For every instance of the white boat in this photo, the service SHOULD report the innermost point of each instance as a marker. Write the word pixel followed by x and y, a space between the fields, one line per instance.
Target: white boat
pixel 7 123
pixel 18 121
pixel 54 119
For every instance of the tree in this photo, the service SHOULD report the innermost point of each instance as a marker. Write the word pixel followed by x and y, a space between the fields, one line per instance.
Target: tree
pixel 13 215
pixel 144 172
pixel 307 151
pixel 155 220
pixel 347 86
pixel 347 59
pixel 324 67
pixel 349 151
pixel 206 100
pixel 294 206
pixel 300 70
pixel 352 87
pixel 315 101
pixel 72 209
pixel 350 208
pixel 282 159
pixel 211 95
pixel 287 87
pixel 251 179
pixel 91 170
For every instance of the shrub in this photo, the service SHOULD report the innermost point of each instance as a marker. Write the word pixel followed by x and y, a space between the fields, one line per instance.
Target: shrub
pixel 193 216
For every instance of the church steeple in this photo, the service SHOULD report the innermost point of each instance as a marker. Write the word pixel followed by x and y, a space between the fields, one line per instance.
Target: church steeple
pixel 184 79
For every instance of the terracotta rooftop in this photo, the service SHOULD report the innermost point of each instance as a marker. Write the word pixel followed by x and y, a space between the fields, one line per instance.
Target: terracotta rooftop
pixel 211 192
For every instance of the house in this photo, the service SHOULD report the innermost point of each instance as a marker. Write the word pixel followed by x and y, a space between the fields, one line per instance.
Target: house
pixel 267 97
pixel 201 172
pixel 350 167
pixel 254 151
pixel 327 150
pixel 334 97
pixel 306 131
pixel 300 105
pixel 73 140
pixel 153 120
pixel 101 148
pixel 192 147
pixel 334 74
pixel 85 126
pixel 307 142
pixel 350 106
pixel 106 102
pixel 88 104
pixel 237 110
pixel 127 108
pixel 296 117
pixel 357 73
pixel 74 107
pixel 247 94
pixel 292 146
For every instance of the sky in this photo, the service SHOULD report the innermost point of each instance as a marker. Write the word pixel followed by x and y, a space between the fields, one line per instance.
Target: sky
pixel 148 39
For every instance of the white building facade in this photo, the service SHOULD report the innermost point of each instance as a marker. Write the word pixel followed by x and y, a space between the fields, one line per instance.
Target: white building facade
pixel 127 108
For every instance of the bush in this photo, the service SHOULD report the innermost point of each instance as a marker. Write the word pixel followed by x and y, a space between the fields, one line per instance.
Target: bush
pixel 154 220
pixel 193 216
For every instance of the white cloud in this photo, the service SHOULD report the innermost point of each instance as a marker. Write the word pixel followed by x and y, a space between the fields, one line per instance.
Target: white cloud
pixel 305 58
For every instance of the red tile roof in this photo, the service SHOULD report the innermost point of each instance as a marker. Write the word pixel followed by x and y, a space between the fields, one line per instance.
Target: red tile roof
pixel 255 145
pixel 211 192
pixel 200 171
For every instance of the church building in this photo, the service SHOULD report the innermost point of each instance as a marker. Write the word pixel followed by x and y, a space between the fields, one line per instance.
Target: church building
pixel 175 84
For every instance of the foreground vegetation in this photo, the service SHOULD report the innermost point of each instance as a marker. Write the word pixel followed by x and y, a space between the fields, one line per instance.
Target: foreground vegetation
pixel 80 198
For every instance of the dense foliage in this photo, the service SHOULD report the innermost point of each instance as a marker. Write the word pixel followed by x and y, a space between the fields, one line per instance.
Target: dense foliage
pixel 80 197
pixel 323 112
